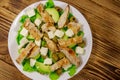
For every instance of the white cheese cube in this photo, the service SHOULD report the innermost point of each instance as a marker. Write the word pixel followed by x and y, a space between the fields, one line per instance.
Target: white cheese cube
pixel 32 62
pixel 59 33
pixel 69 33
pixel 51 34
pixel 37 22
pixel 67 66
pixel 79 50
pixel 48 61
pixel 38 43
pixel 30 12
pixel 44 51
pixel 24 32
pixel 23 41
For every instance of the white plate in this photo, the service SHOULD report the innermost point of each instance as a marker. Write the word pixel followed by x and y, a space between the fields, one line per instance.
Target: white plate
pixel 12 44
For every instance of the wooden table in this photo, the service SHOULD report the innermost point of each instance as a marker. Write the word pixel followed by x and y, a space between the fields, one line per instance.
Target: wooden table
pixel 104 19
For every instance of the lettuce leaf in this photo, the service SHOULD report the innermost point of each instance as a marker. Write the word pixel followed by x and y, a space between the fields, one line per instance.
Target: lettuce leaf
pixel 23 18
pixel 18 38
pixel 72 70
pixel 27 67
pixel 49 4
pixel 40 59
pixel 53 76
pixel 80 33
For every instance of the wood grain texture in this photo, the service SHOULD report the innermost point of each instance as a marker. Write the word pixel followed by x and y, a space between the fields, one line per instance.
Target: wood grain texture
pixel 104 19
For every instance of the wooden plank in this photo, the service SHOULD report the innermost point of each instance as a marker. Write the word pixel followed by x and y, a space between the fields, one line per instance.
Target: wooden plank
pixel 104 19
pixel 9 72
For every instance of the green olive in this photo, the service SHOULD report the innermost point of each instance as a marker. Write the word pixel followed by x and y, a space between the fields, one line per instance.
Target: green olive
pixel 54 57
pixel 55 39
pixel 61 55
pixel 58 8
pixel 72 19
pixel 59 71
pixel 46 35
pixel 82 44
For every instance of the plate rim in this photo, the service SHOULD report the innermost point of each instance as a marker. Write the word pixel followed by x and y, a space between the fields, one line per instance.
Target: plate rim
pixel 17 18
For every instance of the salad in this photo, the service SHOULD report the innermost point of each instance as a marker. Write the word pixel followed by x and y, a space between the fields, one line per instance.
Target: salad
pixel 50 41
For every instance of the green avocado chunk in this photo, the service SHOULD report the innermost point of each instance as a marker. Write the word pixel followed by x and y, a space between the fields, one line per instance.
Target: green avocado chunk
pixel 54 13
pixel 42 68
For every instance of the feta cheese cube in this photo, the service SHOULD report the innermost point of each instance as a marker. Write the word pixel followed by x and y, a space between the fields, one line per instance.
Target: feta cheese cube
pixel 30 12
pixel 38 43
pixel 44 51
pixel 69 33
pixel 37 22
pixel 51 34
pixel 59 33
pixel 23 41
pixel 48 61
pixel 79 50
pixel 32 62
pixel 24 32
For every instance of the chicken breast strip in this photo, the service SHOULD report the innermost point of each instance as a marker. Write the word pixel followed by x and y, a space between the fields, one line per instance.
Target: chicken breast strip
pixel 51 45
pixel 71 41
pixel 75 27
pixel 61 63
pixel 45 15
pixel 63 17
pixel 71 55
pixel 35 51
pixel 25 52
pixel 32 29
pixel 46 27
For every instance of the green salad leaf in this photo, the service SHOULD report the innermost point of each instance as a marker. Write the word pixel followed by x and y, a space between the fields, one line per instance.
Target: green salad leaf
pixel 53 76
pixel 70 15
pixel 49 4
pixel 64 29
pixel 37 15
pixel 49 53
pixel 27 67
pixel 40 59
pixel 23 18
pixel 80 33
pixel 30 38
pixel 32 19
pixel 72 70
pixel 43 43
pixel 18 38
pixel 61 12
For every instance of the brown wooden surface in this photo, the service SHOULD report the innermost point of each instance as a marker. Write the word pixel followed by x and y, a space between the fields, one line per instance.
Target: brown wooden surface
pixel 104 19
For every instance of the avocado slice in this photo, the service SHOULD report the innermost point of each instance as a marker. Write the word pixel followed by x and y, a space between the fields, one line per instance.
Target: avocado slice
pixel 42 68
pixel 54 13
